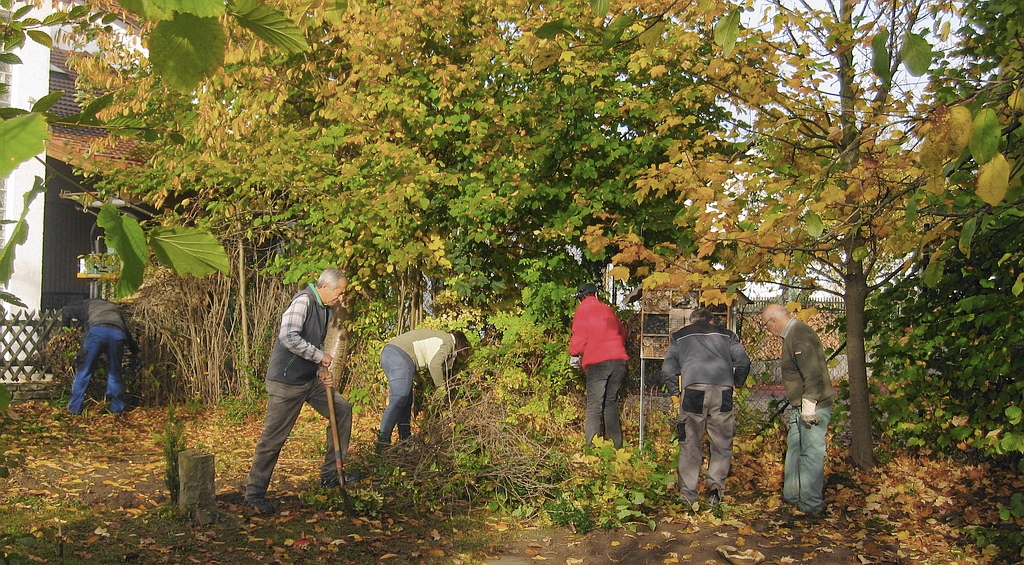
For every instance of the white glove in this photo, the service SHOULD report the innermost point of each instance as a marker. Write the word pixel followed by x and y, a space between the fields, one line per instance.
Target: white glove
pixel 807 413
pixel 576 361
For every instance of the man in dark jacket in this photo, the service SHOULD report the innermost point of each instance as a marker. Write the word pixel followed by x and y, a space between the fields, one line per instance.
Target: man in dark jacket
pixel 103 331
pixel 294 378
pixel 711 362
pixel 809 389
pixel 598 345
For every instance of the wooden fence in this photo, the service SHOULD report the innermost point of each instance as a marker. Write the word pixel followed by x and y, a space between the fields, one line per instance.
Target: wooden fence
pixel 23 336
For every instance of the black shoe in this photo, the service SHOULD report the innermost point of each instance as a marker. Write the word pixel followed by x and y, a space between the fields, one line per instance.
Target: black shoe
pixel 714 498
pixel 260 506
pixel 331 481
pixel 354 477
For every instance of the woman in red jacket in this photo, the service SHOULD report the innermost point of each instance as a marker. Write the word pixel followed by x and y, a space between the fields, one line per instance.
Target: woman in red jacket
pixel 598 345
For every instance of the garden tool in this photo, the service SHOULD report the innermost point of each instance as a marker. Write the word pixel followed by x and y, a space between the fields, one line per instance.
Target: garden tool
pixel 339 464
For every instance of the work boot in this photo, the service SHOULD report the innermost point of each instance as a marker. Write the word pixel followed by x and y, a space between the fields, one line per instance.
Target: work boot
pixel 714 498
pixel 259 506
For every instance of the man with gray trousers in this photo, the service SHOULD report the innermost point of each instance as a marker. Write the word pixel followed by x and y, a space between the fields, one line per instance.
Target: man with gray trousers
pixel 294 378
pixel 708 362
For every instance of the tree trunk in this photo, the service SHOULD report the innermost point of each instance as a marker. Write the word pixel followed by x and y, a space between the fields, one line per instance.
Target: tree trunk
pixel 856 292
pixel 862 444
pixel 243 303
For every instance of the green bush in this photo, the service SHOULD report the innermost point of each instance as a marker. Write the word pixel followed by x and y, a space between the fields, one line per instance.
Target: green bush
pixel 949 347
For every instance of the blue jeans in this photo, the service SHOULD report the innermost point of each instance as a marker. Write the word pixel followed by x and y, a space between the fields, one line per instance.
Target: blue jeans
pixel 401 372
pixel 804 475
pixel 100 339
pixel 603 382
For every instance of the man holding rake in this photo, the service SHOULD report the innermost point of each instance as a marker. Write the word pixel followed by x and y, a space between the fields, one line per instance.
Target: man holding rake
pixel 294 378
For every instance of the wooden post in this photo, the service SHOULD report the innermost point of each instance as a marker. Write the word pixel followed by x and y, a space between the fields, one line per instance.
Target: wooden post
pixel 196 494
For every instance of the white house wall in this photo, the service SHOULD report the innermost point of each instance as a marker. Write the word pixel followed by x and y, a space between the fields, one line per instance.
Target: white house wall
pixel 29 82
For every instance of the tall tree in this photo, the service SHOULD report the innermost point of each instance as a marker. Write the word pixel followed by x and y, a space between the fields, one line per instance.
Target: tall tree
pixel 827 193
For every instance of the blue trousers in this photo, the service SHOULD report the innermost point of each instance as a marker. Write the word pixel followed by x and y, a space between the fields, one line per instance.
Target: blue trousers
pixel 401 373
pixel 100 339
pixel 804 475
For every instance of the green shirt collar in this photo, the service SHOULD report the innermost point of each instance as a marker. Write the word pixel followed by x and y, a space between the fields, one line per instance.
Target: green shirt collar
pixel 316 294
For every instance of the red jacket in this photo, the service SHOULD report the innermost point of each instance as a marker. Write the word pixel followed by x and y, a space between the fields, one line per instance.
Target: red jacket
pixel 597 333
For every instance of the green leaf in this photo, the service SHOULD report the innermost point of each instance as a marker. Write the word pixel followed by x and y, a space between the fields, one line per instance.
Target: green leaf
pixel 985 134
pixel 727 30
pixel 186 50
pixel 21 139
pixel 47 102
pixel 967 236
pixel 9 298
pixel 10 59
pixel 613 33
pixel 147 9
pixel 552 29
pixel 1018 285
pixel 933 272
pixel 269 25
pixel 651 36
pixel 881 61
pixel 600 7
pixel 8 113
pixel 201 8
pixel 814 225
pixel 18 234
pixel 860 253
pixel 916 53
pixel 189 251
pixel 912 207
pixel 40 37
pixel 125 237
pixel 1013 414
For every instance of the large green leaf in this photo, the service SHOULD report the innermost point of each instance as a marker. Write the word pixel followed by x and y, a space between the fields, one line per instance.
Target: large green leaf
pixel 613 33
pixel 815 227
pixel 985 134
pixel 21 139
pixel 201 8
pixel 967 236
pixel 125 237
pixel 40 37
pixel 600 7
pixel 17 236
pixel 269 25
pixel 727 30
pixel 917 54
pixel 147 9
pixel 881 61
pixel 186 50
pixel 552 29
pixel 189 251
pixel 48 101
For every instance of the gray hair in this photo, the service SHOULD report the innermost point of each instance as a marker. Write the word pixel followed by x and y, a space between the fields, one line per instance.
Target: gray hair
pixel 331 278
pixel 701 314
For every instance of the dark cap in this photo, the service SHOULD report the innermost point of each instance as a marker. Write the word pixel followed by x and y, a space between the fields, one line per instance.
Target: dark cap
pixel 586 290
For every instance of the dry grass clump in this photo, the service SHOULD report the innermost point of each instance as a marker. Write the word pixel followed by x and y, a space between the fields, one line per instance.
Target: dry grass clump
pixel 467 444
